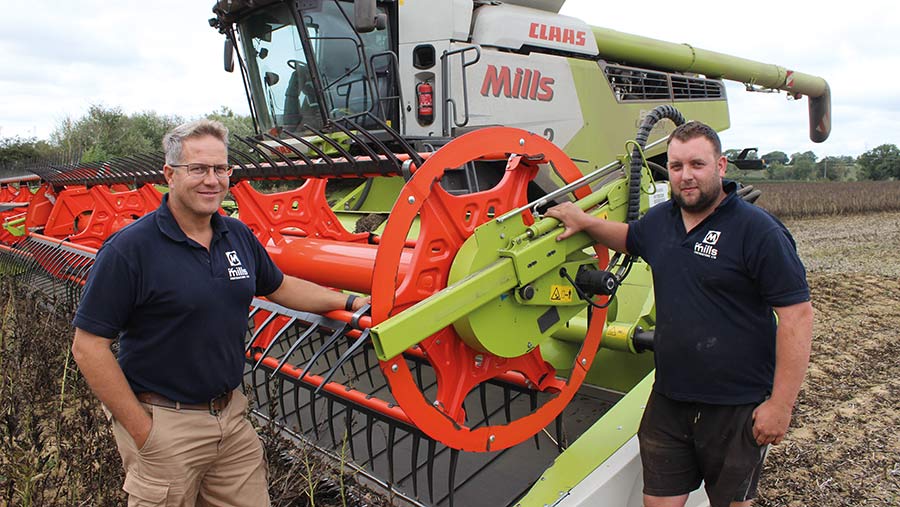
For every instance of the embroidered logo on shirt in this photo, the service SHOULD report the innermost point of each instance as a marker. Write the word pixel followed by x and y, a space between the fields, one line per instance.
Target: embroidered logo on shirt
pixel 707 248
pixel 236 271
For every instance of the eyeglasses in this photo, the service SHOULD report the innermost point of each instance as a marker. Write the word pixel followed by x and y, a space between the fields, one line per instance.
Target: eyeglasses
pixel 201 170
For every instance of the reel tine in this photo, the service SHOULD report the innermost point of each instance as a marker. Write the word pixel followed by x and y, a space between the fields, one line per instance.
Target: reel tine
pixel 330 409
pixel 560 443
pixel 482 390
pixel 532 400
pixel 454 460
pixel 312 413
pixel 281 396
pixel 371 454
pixel 368 364
pixel 338 333
pixel 250 316
pixel 348 431
pixel 348 354
pixel 392 434
pixel 297 408
pixel 337 146
pixel 260 329
pixel 430 469
pixel 414 465
pixel 304 336
pixel 506 403
pixel 275 339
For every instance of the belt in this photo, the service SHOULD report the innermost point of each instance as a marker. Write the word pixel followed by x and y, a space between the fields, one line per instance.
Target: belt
pixel 215 405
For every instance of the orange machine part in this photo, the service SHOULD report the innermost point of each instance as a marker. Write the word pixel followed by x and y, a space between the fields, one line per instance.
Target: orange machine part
pixel 445 223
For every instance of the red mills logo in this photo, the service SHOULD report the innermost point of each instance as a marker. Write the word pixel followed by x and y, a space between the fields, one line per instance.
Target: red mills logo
pixel 557 34
pixel 519 84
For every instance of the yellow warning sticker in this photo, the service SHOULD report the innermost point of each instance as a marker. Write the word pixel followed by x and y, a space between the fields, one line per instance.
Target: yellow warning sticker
pixel 561 293
pixel 617 331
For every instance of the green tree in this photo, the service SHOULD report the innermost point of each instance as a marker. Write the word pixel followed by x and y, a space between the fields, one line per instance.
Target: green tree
pixel 15 150
pixel 802 166
pixel 880 163
pixel 777 171
pixel 836 168
pixel 237 125
pixel 105 133
pixel 775 157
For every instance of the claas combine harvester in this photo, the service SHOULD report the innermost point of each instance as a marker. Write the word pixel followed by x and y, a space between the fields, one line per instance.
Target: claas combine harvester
pixel 416 143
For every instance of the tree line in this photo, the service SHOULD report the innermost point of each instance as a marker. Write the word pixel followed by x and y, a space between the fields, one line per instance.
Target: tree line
pixel 104 133
pixel 880 163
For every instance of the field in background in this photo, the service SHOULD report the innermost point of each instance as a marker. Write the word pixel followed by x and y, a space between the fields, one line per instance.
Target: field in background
pixel 793 199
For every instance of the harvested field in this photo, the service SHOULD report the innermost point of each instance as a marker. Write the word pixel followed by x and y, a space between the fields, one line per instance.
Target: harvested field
pixel 808 199
pixel 844 446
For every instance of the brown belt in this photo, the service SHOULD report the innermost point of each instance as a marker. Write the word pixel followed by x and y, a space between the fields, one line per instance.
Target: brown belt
pixel 215 405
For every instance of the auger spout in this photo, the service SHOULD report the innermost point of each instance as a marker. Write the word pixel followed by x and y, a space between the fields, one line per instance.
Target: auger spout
pixel 654 53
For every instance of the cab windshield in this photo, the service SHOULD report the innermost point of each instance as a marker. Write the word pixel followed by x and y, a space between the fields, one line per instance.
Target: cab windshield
pixel 282 84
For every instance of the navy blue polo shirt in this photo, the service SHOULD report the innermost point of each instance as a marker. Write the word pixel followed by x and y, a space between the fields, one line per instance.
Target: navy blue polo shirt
pixel 178 309
pixel 715 288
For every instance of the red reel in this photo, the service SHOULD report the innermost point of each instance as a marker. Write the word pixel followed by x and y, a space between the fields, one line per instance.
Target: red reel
pixel 446 221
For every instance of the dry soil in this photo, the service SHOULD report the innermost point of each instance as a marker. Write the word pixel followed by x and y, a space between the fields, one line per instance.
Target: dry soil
pixel 844 445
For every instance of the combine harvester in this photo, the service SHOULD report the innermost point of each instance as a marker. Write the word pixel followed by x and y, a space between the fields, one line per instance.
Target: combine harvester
pixel 418 143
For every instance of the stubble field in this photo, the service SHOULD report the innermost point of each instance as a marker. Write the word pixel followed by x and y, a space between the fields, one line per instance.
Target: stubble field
pixel 844 445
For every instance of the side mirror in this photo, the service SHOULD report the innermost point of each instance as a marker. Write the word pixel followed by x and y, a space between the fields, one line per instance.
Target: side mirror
pixel 366 16
pixel 229 55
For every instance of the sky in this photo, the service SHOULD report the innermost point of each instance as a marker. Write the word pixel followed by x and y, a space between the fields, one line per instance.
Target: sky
pixel 59 58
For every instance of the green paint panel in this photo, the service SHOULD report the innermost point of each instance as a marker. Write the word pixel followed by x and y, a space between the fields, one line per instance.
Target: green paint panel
pixel 594 447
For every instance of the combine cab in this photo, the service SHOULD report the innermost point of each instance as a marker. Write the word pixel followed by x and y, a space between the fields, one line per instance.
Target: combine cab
pixel 418 143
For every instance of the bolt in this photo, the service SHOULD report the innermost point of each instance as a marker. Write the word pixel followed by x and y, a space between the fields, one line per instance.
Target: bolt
pixel 394 368
pixel 619 428
pixel 521 142
pixel 527 293
pixel 583 361
pixel 437 342
pixel 530 346
pixel 411 200
pixel 437 404
pixel 502 235
pixel 492 438
pixel 479 360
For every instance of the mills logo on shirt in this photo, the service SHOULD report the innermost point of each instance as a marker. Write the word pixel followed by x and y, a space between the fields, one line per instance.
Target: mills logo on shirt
pixel 236 271
pixel 708 247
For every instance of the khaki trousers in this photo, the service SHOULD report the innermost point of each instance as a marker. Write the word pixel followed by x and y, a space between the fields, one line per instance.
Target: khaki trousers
pixel 192 457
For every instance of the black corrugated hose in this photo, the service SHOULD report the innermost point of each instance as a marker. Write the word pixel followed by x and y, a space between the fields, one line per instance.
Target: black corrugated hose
pixel 637 162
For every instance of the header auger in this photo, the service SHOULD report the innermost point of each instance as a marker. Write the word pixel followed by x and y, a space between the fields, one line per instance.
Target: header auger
pixel 415 145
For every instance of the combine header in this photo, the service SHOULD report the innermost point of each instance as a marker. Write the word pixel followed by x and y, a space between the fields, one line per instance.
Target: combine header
pixel 415 145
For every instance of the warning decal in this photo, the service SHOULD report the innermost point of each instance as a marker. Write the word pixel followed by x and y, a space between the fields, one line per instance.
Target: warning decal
pixel 561 293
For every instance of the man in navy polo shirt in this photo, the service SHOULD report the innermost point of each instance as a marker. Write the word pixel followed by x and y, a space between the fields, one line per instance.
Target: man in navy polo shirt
pixel 727 376
pixel 174 288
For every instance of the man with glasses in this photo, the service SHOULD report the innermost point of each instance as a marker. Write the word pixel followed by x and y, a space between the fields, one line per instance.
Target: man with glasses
pixel 174 288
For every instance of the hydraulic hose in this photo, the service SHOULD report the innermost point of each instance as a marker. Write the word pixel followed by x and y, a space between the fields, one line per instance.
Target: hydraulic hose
pixel 637 159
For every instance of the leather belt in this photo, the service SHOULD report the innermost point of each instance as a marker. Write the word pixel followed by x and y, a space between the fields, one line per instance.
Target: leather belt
pixel 215 405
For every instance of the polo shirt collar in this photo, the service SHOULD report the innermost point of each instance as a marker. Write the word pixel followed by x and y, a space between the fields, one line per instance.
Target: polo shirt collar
pixel 168 226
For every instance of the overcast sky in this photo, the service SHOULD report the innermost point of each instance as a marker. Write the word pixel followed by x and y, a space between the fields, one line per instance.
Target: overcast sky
pixel 61 57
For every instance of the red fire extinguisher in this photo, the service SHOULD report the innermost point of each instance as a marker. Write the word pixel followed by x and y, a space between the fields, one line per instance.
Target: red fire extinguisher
pixel 425 103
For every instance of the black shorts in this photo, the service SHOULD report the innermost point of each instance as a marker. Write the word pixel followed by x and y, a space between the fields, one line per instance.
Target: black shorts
pixel 685 443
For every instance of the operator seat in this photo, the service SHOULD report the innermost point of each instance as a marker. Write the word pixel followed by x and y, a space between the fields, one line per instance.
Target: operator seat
pixel 295 107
